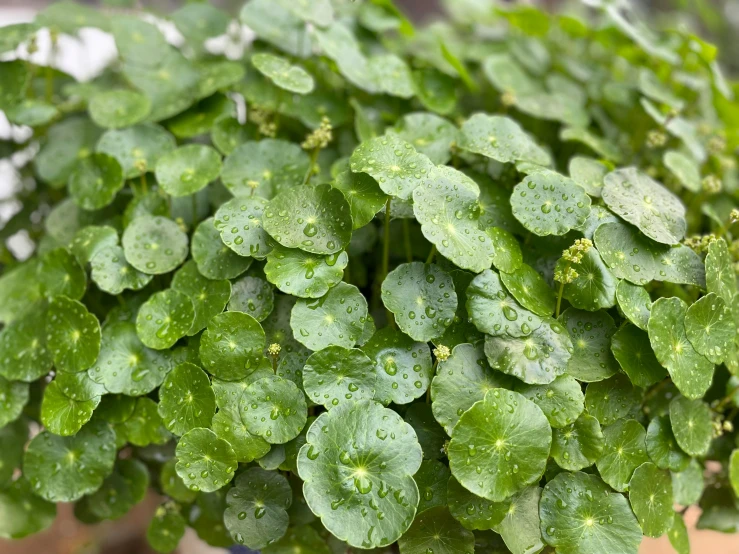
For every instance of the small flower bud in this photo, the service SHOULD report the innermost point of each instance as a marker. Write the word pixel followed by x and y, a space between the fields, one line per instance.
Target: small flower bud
pixel 734 216
pixel 508 99
pixel 711 184
pixel 274 349
pixel 442 353
pixel 656 139
pixel 319 138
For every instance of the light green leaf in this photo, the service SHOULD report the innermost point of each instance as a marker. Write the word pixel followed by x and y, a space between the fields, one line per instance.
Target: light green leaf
pixel 274 408
pixel 62 415
pixel 114 109
pixel 240 223
pixel 166 528
pixel 72 334
pixel 628 253
pixel 164 318
pixel 303 274
pixel 595 285
pixel 507 256
pixel 692 425
pixel 472 511
pixel 591 334
pixel 137 148
pixel 231 347
pixel 662 446
pixel 588 173
pixel 188 169
pixel 650 495
pixel 59 273
pixel 429 134
pixel 520 527
pixel 624 450
pixel 437 531
pixel 186 399
pixel 684 168
pixel 710 327
pixel 336 375
pixel 112 273
pixel 24 513
pixel 208 297
pixel 24 354
pixel 507 437
pixel 252 296
pixel 364 195
pixel 204 462
pixel 215 260
pixel 13 398
pixel 501 139
pixel 634 302
pixel 720 276
pixel 95 181
pixel 154 244
pixel 357 463
pixel 631 348
pixel 612 399
pixel 561 401
pixel 283 74
pixel 577 445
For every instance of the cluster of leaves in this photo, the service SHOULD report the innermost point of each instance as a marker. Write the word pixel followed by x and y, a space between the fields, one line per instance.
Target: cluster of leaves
pixel 466 288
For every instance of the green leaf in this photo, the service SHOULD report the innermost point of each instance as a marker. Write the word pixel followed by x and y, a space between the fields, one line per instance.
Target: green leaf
pixel 24 355
pixel 16 34
pixel 536 359
pixel 680 264
pixel 66 142
pixel 662 446
pixel 112 273
pixel 588 173
pixel 173 486
pixel 239 222
pixel 710 327
pixel 684 168
pixel 154 244
pixel 598 144
pixel 283 74
pixel 561 401
pixel 422 299
pixel 314 219
pixel 530 289
pixel 687 485
pixel 462 380
pixel 429 134
pixel 114 109
pixel 507 437
pixel 402 367
pixel 166 528
pixel 264 168
pixel 302 274
pixel 645 203
pixel 580 515
pixel 547 203
pixel 95 181
pixel 628 253
pixel 397 167
pixel 612 399
pixel 125 365
pixel 252 296
pixel 337 375
pixel 650 495
pixel 90 240
pixel 231 347
pixel 62 415
pixel 256 513
pixel 208 297
pixel 577 445
pixel 186 399
pixel 215 260
pixel 337 318
pixel 72 334
pixel 227 133
pixel 591 334
pixel 301 539
pixel 137 148
pixel 624 450
pixel 204 461
pixel 691 372
pixel 276 25
pixel 430 435
pixel 59 273
pixel 436 91
pixel 437 531
pixel 734 470
pixel 520 527
pixel 494 311
pixel 121 490
pixel 432 480
pixel 507 256
pixel 634 302
pixel 13 398
pixel 363 194
pixel 501 139
pixel 631 348
pixel 720 276
pixel 24 513
pixel 63 469
pixel 449 213
pixel 678 535
pixel 274 408
pixel 357 463
pixel 188 169
pixel 164 318
pixel 692 425
pixel 472 511
pixel 598 215
pixel 144 426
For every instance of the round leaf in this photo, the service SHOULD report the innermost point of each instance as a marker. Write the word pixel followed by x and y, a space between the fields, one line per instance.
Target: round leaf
pixel 632 350
pixel 580 515
pixel 164 318
pixel 337 318
pixel 239 222
pixel 303 274
pixel 208 297
pixel 591 334
pixel 357 467
pixel 547 203
pixel 520 527
pixel 501 139
pixel 72 334
pixel 393 163
pixel 252 296
pixel 186 399
pixel 628 253
pixel 62 415
pixel 24 355
pixel 402 367
pixel 612 399
pixel 692 425
pixel 256 508
pixel 137 148
pixel 204 462
pixel 283 74
pixel 188 169
pixel 561 401
pixel 530 289
pixel 595 285
pixel 336 375
pixel 13 398
pixel 538 358
pixel 645 203
pixel 232 345
pixel 577 445
pixel 363 194
pixel 471 511
pixel 662 446
pixel 95 181
pixel 624 450
pixel 710 327
pixel 422 298
pixel 634 302
pixel 507 256
pixel 154 244
pixel 214 259
pixel 505 437
pixel 588 173
pixel 274 409
pixel 64 469
pixel 112 273
pixel 24 513
pixel 166 528
pixel 114 109
pixel 429 134
pixel 650 494
pixel 435 530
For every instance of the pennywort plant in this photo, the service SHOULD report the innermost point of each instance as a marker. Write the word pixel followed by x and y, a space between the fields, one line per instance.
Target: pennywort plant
pixel 464 288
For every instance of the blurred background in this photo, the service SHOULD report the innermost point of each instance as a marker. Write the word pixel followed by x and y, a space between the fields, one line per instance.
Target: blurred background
pixel 715 20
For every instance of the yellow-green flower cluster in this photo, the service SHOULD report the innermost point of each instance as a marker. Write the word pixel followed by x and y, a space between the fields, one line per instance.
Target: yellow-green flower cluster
pixel 575 252
pixel 263 120
pixel 656 139
pixel 699 243
pixel 442 353
pixel 274 349
pixel 321 137
pixel 711 184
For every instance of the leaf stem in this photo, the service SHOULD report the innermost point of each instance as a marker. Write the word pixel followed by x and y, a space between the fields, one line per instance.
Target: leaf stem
pixel 194 210
pixel 559 299
pixel 431 255
pixel 144 186
pixel 313 159
pixel 728 398
pixel 407 240
pixel 386 255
